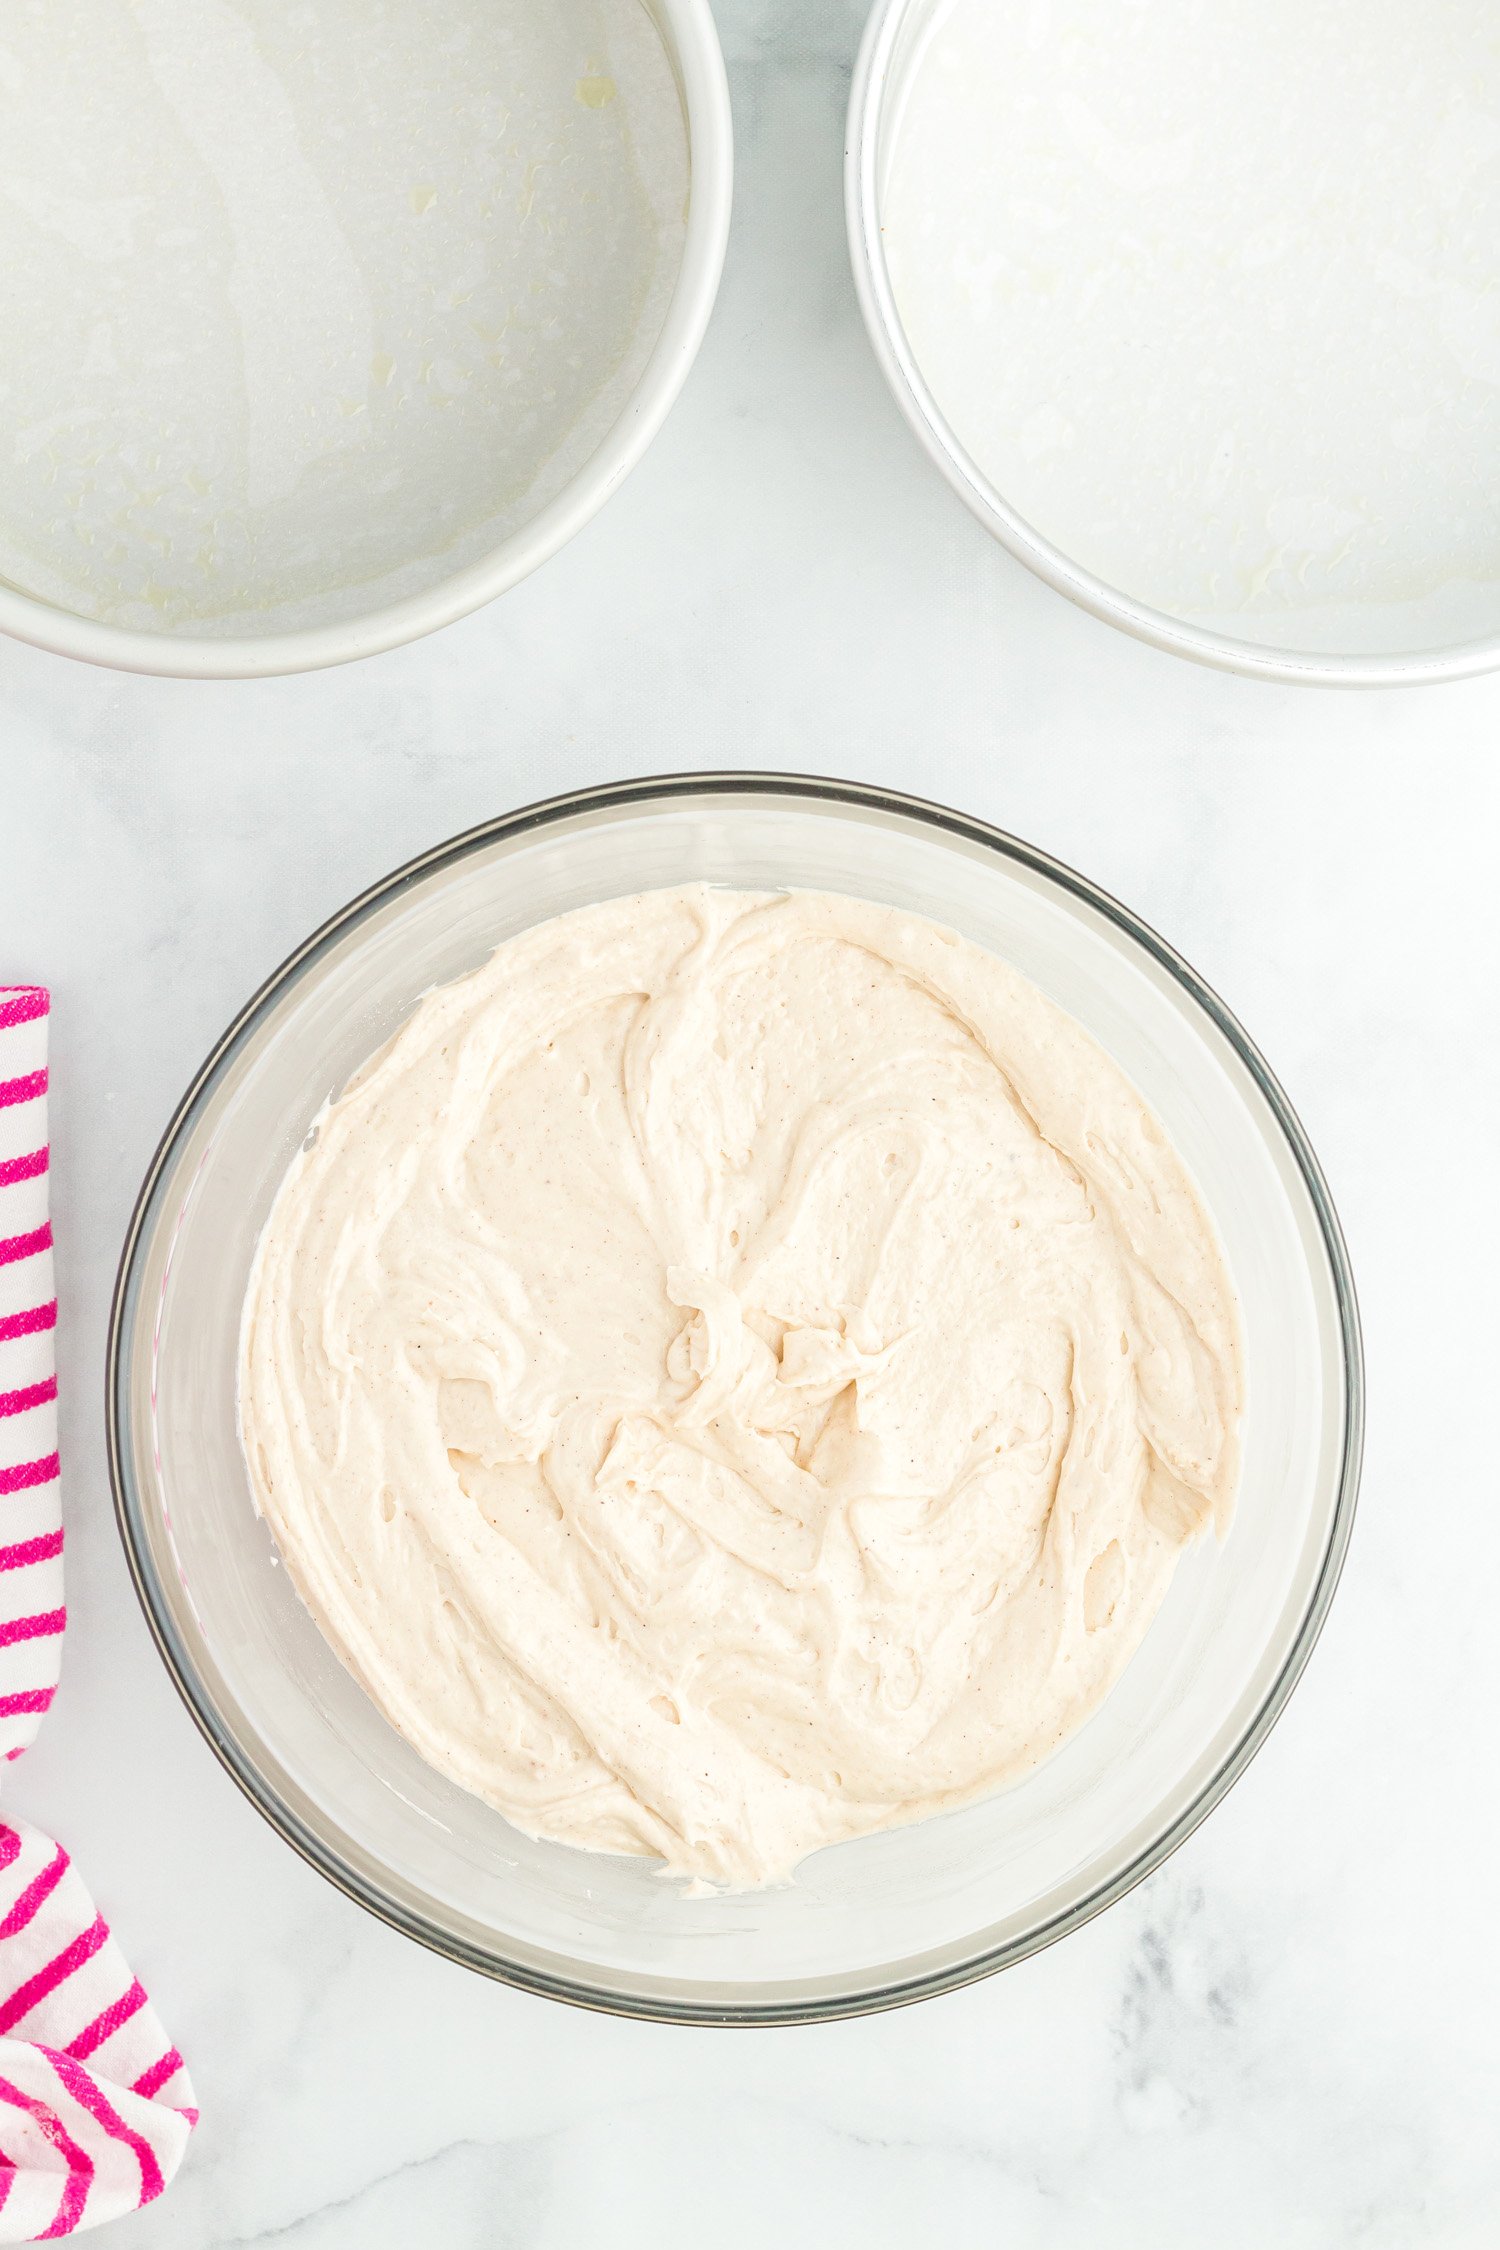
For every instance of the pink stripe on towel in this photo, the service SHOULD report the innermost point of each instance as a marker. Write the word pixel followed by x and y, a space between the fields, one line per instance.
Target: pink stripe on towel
pixel 43 1548
pixel 37 1320
pixel 108 2021
pixel 52 1974
pixel 22 1003
pixel 152 2081
pixel 80 2172
pixel 15 1247
pixel 28 1088
pixel 23 1400
pixel 86 2092
pixel 25 1476
pixel 18 1168
pixel 39 1888
pixel 37 1628
pixel 57 1971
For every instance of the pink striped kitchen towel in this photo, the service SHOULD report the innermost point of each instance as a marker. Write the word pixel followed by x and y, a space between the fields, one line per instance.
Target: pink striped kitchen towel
pixel 95 2105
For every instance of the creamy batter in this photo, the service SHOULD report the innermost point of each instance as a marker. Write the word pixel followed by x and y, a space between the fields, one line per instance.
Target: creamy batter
pixel 737 1372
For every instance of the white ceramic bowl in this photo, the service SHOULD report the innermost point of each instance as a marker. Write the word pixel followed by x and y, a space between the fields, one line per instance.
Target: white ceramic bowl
pixel 892 46
pixel 240 650
pixel 865 1925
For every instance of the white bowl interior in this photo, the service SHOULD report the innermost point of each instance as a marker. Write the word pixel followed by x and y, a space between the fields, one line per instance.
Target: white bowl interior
pixel 863 1915
pixel 311 311
pixel 1441 615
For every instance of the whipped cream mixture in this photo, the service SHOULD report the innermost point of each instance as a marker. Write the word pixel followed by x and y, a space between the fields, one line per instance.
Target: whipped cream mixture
pixel 737 1372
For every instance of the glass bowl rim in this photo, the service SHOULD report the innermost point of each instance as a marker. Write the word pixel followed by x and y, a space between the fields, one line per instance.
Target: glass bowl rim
pixel 241 1765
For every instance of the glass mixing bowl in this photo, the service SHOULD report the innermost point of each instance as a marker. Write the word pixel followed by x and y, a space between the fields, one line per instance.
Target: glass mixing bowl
pixel 865 1925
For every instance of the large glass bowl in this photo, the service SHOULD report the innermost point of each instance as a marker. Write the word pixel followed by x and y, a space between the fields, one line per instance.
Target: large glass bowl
pixel 865 1925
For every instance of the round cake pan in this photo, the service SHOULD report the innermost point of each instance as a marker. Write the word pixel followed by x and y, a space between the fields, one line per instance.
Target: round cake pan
pixel 238 648
pixel 893 42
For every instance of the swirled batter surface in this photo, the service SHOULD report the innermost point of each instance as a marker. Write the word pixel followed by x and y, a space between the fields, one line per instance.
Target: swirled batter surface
pixel 737 1372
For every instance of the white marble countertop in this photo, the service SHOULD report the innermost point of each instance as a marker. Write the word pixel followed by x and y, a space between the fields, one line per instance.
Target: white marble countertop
pixel 1289 2034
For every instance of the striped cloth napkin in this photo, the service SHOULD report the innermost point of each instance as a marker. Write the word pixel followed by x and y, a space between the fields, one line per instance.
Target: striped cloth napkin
pixel 95 2105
